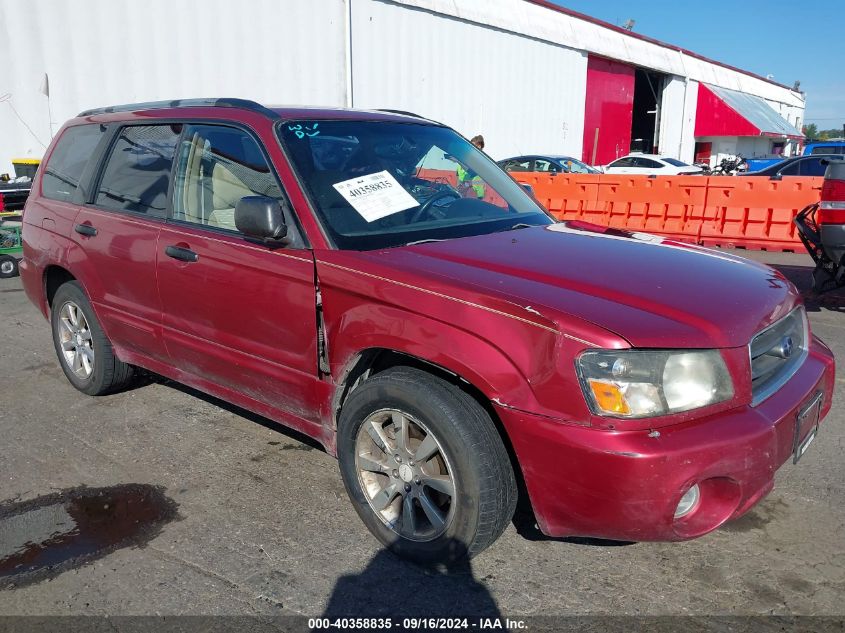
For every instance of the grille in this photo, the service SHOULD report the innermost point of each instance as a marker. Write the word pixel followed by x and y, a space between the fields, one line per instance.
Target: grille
pixel 776 354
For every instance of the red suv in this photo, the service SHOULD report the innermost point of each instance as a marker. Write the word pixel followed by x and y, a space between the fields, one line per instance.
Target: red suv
pixel 374 281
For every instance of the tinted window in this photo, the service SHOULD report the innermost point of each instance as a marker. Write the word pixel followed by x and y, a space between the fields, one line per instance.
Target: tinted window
pixel 829 149
pixel 217 167
pixel 647 163
pixel 812 167
pixel 68 160
pixel 623 162
pixel 544 165
pixel 790 170
pixel 675 163
pixel 573 166
pixel 519 165
pixel 137 172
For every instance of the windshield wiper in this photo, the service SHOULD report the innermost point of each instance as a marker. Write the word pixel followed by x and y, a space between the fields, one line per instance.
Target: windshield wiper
pixel 430 239
pixel 513 227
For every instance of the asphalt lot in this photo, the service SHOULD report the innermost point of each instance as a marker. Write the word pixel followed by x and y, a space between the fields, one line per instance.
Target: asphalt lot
pixel 262 524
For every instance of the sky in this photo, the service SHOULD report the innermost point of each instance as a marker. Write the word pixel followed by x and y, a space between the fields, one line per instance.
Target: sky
pixel 790 40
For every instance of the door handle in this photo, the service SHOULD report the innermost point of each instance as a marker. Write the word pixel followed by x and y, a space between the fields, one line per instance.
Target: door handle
pixel 85 229
pixel 182 254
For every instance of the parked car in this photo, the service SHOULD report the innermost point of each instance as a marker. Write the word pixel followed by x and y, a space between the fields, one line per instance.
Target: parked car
pixel 442 346
pixel 814 165
pixel 650 164
pixel 13 196
pixel 825 147
pixel 821 228
pixel 551 164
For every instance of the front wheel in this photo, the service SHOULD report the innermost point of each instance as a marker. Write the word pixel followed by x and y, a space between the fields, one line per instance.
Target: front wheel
pixel 424 467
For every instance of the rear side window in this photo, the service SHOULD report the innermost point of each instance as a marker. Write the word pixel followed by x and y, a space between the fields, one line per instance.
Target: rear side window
pixel 137 172
pixel 68 160
pixel 829 149
pixel 813 167
pixel 647 163
pixel 624 162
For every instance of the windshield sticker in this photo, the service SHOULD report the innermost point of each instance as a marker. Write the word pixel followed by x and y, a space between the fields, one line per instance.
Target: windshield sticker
pixel 301 132
pixel 375 196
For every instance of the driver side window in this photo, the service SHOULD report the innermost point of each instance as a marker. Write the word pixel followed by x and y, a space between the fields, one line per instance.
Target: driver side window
pixel 217 166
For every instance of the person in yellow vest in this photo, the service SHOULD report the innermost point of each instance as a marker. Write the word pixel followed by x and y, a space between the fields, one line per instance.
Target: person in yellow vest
pixel 469 180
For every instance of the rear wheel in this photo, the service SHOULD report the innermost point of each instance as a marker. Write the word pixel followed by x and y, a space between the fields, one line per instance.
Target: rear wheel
pixel 424 467
pixel 84 352
pixel 8 267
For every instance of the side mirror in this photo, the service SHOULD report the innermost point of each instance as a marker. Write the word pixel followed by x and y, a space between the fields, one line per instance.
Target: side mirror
pixel 777 176
pixel 528 188
pixel 261 218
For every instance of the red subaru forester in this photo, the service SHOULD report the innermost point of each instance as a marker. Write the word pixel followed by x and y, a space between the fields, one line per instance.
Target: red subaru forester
pixel 374 281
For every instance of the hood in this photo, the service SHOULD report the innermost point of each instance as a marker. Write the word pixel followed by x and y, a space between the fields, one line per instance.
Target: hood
pixel 651 291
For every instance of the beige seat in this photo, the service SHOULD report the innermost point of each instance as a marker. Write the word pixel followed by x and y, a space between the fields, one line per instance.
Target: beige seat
pixel 227 189
pixel 211 189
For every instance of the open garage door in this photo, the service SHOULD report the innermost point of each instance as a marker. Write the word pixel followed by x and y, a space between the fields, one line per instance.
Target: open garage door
pixel 622 110
pixel 608 110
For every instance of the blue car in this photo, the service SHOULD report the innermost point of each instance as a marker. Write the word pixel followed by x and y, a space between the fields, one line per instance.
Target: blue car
pixel 825 147
pixel 814 165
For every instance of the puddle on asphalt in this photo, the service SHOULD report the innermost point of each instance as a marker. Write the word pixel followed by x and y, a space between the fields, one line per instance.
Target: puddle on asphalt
pixel 44 537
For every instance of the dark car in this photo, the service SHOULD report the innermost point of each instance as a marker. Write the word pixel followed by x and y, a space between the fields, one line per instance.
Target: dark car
pixel 552 164
pixel 813 165
pixel 304 264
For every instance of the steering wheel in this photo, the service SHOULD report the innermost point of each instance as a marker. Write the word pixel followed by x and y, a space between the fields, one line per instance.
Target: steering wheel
pixel 426 206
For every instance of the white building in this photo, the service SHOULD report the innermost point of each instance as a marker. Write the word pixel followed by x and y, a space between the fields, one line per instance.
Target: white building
pixel 531 77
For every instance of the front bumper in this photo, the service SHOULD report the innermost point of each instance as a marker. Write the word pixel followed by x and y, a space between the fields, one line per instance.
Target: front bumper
pixel 625 485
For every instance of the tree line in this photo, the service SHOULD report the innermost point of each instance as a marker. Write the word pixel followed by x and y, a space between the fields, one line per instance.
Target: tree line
pixel 811 131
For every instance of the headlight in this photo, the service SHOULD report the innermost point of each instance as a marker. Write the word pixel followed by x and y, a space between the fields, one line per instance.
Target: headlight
pixel 638 384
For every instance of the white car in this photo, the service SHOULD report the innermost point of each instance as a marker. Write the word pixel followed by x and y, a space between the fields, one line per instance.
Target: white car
pixel 650 164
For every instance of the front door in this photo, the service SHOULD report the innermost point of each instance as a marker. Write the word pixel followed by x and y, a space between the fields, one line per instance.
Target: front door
pixel 235 313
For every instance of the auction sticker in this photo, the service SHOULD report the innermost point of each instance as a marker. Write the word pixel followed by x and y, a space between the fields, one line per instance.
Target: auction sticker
pixel 375 196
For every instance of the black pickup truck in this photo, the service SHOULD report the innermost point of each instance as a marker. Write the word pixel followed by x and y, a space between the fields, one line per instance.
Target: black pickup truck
pixel 13 195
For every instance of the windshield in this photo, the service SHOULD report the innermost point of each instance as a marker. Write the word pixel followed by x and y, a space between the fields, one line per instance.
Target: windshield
pixel 378 184
pixel 675 162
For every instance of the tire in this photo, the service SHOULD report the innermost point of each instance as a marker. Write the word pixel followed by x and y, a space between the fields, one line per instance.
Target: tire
pixel 468 455
pixel 8 267
pixel 88 362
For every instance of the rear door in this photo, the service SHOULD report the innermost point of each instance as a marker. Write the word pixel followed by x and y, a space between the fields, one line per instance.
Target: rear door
pixel 236 313
pixel 117 230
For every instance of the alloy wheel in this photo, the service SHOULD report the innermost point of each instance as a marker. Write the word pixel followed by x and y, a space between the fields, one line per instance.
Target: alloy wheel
pixel 405 475
pixel 75 337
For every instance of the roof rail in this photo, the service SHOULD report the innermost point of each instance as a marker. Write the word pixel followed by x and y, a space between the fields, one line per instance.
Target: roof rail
pixel 402 112
pixel 225 102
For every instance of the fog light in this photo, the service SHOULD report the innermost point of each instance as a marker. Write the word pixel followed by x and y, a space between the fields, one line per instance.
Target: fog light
pixel 688 502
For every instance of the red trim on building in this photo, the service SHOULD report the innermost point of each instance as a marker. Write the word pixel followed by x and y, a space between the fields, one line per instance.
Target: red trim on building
pixel 713 117
pixel 645 38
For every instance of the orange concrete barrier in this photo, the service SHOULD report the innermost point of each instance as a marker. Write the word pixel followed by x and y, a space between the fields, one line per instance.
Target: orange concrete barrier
pixel 745 211
pixel 727 211
pixel 567 196
pixel 756 212
pixel 672 205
